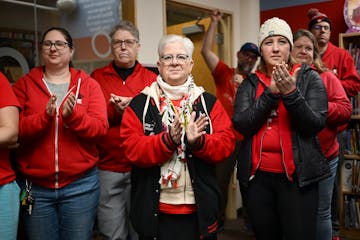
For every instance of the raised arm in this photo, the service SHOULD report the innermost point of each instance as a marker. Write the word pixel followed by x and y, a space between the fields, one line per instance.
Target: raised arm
pixel 210 57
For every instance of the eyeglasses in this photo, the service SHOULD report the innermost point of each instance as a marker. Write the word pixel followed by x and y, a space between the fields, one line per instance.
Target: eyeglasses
pixel 59 45
pixel 126 42
pixel 320 27
pixel 180 58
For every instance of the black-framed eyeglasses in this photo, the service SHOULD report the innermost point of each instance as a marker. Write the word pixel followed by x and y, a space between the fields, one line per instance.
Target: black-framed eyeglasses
pixel 59 45
pixel 127 42
pixel 320 27
pixel 180 58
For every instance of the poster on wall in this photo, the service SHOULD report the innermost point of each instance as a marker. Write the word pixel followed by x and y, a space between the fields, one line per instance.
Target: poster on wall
pixel 90 25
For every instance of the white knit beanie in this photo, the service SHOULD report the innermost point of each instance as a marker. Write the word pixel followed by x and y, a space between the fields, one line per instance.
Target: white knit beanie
pixel 275 26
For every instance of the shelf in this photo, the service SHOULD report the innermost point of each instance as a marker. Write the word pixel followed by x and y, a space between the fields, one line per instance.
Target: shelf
pixel 345 38
pixel 352 156
pixel 356 194
pixel 350 234
pixel 352 41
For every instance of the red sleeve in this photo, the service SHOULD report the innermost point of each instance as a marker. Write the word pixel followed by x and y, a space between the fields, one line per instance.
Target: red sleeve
pixel 339 106
pixel 142 150
pixel 35 123
pixel 349 76
pixel 222 137
pixel 222 76
pixel 113 116
pixel 8 97
pixel 90 122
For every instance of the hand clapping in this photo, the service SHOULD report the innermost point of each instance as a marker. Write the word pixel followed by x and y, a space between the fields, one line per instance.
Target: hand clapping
pixel 284 82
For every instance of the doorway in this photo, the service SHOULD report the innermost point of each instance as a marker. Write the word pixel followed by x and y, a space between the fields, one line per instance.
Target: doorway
pixel 192 21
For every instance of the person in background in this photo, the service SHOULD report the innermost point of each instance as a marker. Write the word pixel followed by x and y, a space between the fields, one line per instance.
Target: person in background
pixel 63 115
pixel 227 79
pixel 339 112
pixel 342 64
pixel 172 133
pixel 9 189
pixel 280 110
pixel 336 59
pixel 120 80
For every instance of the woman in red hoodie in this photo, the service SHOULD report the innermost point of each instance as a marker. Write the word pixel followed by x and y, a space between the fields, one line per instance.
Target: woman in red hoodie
pixel 9 190
pixel 63 113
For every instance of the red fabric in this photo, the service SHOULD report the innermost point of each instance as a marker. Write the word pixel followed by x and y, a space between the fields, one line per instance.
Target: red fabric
pixel 8 98
pixel 111 156
pixel 342 64
pixel 177 209
pixel 226 89
pixel 274 152
pixel 149 151
pixel 76 134
pixel 339 113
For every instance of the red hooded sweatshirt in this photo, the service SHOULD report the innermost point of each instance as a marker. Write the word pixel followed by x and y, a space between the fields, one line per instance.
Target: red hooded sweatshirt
pixel 55 151
pixel 7 98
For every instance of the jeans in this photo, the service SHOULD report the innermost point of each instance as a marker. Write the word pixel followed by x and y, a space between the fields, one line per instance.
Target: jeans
pixel 9 213
pixel 326 186
pixel 64 214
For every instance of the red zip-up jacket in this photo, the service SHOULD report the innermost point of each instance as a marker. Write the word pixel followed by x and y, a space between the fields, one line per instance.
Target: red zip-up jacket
pixel 339 113
pixel 342 64
pixel 55 151
pixel 112 158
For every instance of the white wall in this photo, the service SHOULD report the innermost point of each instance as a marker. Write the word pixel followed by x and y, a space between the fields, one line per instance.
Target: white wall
pixel 150 19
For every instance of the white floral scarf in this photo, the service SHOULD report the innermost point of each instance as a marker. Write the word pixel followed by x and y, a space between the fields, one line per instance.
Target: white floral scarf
pixel 170 171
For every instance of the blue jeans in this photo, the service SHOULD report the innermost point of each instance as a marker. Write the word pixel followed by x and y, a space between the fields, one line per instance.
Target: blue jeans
pixel 326 186
pixel 64 214
pixel 9 210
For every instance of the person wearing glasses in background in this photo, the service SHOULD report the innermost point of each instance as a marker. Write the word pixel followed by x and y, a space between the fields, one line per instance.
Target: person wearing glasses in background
pixel 63 115
pixel 122 79
pixel 172 133
pixel 336 59
pixel 340 62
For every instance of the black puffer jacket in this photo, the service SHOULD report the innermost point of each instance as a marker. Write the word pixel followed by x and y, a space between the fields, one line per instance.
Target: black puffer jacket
pixel 307 107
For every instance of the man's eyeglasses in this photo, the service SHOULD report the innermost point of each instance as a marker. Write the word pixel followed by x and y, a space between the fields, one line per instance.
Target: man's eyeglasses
pixel 180 58
pixel 126 42
pixel 59 45
pixel 320 27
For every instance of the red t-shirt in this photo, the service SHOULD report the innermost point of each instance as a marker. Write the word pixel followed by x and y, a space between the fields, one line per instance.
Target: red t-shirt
pixel 7 98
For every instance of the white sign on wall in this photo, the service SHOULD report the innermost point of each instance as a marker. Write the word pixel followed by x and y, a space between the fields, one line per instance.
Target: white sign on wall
pixel 91 17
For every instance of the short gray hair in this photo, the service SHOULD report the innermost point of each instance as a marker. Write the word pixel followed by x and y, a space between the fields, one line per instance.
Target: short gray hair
pixel 188 44
pixel 126 26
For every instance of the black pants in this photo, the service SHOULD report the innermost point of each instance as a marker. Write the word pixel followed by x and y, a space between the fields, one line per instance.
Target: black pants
pixel 178 227
pixel 279 210
pixel 224 171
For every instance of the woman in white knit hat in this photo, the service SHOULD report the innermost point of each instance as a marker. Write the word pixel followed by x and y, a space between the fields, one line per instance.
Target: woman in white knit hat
pixel 279 110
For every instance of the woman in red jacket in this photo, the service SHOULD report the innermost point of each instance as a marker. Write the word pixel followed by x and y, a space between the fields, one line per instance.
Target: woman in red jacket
pixel 9 190
pixel 63 113
pixel 339 112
